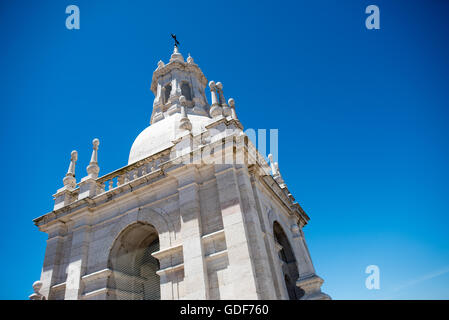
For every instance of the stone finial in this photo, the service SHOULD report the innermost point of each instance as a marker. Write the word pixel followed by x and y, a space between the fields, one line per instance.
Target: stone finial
pixel 182 100
pixel 220 93
pixel 184 122
pixel 278 173
pixel 160 64
pixel 190 60
pixel 69 179
pixel 222 100
pixel 213 91
pixel 277 176
pixel 231 103
pixel 36 288
pixel 176 56
pixel 274 171
pixel 93 169
pixel 215 109
pixel 276 165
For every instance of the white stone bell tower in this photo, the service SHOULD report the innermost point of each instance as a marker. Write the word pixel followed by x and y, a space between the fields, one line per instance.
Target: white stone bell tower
pixel 197 213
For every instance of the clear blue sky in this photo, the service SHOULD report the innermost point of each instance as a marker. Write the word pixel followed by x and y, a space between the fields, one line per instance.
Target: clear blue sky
pixel 362 118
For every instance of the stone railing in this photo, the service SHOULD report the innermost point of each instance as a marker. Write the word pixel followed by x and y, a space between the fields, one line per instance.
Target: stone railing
pixel 92 186
pixel 131 172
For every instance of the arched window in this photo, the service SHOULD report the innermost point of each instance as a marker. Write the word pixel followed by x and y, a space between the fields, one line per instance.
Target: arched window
pixel 290 288
pixel 166 93
pixel 133 267
pixel 186 91
pixel 288 261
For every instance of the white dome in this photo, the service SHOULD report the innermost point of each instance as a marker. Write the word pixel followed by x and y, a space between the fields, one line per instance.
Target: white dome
pixel 159 135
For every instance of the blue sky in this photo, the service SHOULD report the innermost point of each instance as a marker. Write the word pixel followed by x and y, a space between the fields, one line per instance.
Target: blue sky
pixel 362 118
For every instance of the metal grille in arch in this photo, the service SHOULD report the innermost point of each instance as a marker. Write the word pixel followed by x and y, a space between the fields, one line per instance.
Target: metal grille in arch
pixel 134 274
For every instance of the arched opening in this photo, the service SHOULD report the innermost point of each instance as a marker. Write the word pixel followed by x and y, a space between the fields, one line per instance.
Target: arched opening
pixel 290 288
pixel 166 93
pixel 133 267
pixel 288 262
pixel 186 91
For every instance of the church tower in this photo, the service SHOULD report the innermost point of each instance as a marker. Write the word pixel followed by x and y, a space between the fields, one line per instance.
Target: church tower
pixel 197 213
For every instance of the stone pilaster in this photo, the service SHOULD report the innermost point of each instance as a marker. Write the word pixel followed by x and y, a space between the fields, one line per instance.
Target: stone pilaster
pixel 255 235
pixel 78 259
pixel 195 269
pixel 241 283
pixel 305 266
pixel 308 280
pixel 271 246
pixel 52 259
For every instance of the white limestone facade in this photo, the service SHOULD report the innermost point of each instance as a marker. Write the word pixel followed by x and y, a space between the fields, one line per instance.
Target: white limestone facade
pixel 197 213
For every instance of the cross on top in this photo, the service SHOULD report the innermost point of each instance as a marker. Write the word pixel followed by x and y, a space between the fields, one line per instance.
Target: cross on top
pixel 174 38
